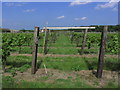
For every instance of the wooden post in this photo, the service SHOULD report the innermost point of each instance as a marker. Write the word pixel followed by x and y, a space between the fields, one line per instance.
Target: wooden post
pixel 50 32
pixel 71 37
pixel 101 52
pixel 83 42
pixel 35 49
pixel 45 42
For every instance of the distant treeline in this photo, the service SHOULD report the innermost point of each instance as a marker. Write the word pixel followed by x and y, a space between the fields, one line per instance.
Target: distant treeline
pixel 99 28
pixel 112 28
pixel 4 30
pixel 23 30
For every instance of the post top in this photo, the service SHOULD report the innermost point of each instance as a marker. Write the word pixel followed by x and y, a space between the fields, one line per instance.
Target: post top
pixel 36 27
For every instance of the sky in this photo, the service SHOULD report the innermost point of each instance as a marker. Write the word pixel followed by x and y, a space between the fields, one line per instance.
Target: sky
pixel 26 15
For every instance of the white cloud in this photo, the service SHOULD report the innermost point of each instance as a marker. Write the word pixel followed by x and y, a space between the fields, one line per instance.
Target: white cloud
pixel 29 10
pixel 83 18
pixel 78 2
pixel 76 19
pixel 10 4
pixel 111 4
pixel 60 17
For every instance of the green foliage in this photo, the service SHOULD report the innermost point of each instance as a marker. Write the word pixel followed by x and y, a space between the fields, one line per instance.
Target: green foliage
pixel 10 40
pixel 53 37
pixel 76 37
pixel 13 72
pixel 112 43
pixel 93 38
pixel 6 46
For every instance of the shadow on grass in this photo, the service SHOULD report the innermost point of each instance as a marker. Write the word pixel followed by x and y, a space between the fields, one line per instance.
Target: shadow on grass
pixel 46 52
pixel 113 66
pixel 86 51
pixel 79 46
pixel 91 64
pixel 39 64
pixel 108 65
pixel 18 64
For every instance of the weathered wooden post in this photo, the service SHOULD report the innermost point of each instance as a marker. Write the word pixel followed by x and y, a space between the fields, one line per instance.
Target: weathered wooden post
pixel 49 31
pixel 71 36
pixel 83 42
pixel 45 42
pixel 35 49
pixel 102 52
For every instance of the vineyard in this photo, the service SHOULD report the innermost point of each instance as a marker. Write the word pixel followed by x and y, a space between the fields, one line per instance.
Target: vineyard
pixel 60 64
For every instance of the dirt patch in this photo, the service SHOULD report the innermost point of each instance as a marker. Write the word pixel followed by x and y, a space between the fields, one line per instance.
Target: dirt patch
pixel 86 76
pixel 62 55
pixel 90 78
pixel 42 76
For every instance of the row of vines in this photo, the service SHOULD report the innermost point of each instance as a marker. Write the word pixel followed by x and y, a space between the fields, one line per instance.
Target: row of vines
pixel 9 40
pixel 112 44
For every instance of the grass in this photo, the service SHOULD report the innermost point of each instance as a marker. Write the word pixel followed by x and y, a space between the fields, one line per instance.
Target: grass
pixel 59 50
pixel 67 64
pixel 63 63
pixel 63 51
pixel 10 82
pixel 111 85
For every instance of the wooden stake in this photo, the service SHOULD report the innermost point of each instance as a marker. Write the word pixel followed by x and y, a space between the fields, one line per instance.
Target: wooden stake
pixel 101 52
pixel 45 68
pixel 83 42
pixel 35 48
pixel 45 42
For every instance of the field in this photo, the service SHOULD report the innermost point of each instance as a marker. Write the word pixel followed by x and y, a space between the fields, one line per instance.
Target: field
pixel 66 67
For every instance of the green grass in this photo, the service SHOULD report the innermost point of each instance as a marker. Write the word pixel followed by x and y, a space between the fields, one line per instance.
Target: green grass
pixel 62 41
pixel 24 50
pixel 59 50
pixel 63 51
pixel 56 50
pixel 64 63
pixel 67 64
pixel 9 82
pixel 111 85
